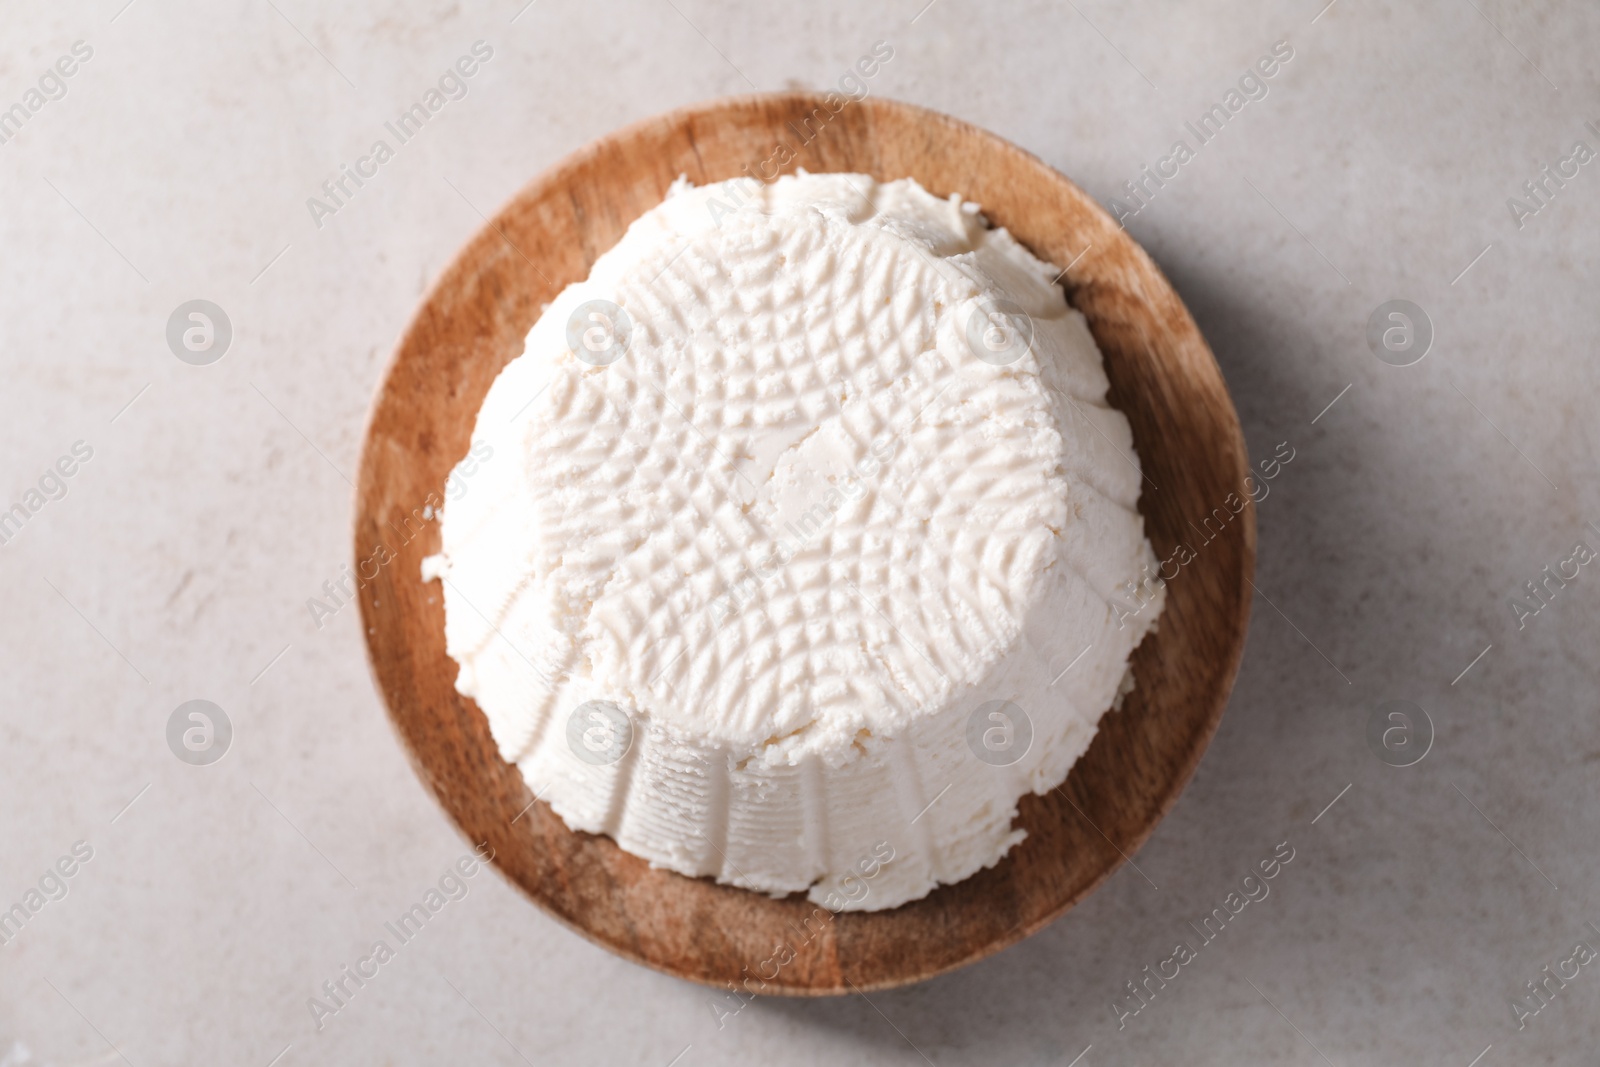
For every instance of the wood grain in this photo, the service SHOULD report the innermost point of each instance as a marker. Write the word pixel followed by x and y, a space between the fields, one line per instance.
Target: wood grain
pixel 1163 377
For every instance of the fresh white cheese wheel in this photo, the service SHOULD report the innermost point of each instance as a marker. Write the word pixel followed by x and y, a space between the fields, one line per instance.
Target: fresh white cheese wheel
pixel 800 541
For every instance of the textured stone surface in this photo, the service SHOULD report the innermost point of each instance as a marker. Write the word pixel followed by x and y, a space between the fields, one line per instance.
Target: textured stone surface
pixel 179 562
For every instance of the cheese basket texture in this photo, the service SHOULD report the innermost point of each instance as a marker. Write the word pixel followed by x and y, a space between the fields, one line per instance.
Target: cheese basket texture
pixel 1163 378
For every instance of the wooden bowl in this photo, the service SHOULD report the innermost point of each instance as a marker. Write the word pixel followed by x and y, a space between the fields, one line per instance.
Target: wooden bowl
pixel 1163 377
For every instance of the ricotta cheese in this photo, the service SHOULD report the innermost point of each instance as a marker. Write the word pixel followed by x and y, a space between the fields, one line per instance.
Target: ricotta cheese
pixel 807 541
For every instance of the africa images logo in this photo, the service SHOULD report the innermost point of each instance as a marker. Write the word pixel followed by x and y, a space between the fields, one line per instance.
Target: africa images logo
pixel 339 190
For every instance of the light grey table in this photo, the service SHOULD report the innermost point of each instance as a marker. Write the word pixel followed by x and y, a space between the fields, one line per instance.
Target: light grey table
pixel 175 163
